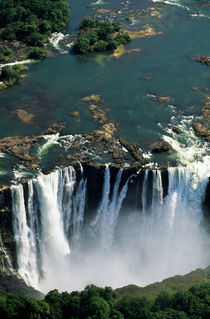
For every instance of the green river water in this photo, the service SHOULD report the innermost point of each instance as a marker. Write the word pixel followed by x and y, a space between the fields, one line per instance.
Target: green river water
pixel 53 88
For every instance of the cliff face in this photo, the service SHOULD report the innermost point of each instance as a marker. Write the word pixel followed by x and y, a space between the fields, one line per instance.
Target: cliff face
pixel 12 283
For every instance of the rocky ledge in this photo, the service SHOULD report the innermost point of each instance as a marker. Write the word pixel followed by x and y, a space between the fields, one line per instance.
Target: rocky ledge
pixel 202 127
pixel 100 146
pixel 12 283
pixel 20 146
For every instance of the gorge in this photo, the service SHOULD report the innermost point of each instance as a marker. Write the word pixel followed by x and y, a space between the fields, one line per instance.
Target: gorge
pixel 84 205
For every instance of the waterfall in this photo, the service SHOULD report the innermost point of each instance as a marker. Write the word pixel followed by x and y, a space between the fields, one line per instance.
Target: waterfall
pixel 171 228
pixel 106 218
pixel 157 197
pixel 5 263
pixel 60 245
pixel 47 220
pixel 24 238
pixel 144 191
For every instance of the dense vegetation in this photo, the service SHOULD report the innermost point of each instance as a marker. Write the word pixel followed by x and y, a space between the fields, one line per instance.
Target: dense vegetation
pixel 32 21
pixel 99 36
pixel 5 53
pixel 98 303
pixel 11 75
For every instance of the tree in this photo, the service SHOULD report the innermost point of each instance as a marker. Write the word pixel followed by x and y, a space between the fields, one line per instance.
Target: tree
pixel 5 53
pixel 37 53
pixel 82 45
pixel 100 46
pixel 10 75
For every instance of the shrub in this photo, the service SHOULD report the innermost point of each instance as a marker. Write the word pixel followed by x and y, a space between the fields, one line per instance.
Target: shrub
pixel 82 45
pixel 10 75
pixel 5 53
pixel 100 46
pixel 123 38
pixel 37 53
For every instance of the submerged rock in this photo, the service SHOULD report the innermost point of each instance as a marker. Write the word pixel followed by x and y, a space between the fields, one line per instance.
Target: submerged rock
pixel 147 31
pixel 120 50
pixel 161 146
pixel 74 114
pixel 24 116
pixel 98 114
pixel 93 98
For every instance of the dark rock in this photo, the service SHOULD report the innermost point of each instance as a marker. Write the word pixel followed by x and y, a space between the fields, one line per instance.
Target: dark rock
pixel 204 60
pixel 176 129
pixel 161 146
pixel 10 283
pixel 134 150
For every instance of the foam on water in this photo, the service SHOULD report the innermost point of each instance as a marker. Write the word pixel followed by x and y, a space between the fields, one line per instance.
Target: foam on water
pixel 55 39
pixel 98 3
pixel 17 62
pixel 173 3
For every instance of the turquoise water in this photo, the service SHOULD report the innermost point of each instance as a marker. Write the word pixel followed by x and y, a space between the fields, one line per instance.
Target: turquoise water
pixel 53 88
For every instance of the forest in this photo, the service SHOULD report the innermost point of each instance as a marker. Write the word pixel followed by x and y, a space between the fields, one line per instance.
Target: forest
pixel 99 36
pixel 32 21
pixel 103 303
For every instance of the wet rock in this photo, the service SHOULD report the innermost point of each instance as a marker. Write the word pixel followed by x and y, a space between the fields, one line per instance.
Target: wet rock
pixel 20 146
pixel 93 98
pixel 201 130
pixel 103 11
pixel 120 50
pixel 54 128
pixel 204 60
pixel 148 77
pixel 98 114
pixel 74 114
pixel 147 31
pixel 176 129
pixel 11 283
pixel 134 150
pixel 206 109
pixel 161 146
pixel 106 131
pixel 89 6
pixel 164 99
pixel 156 14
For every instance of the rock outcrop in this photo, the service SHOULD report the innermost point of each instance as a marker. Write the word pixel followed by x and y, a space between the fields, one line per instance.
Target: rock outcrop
pixel 203 59
pixel 20 146
pixel 11 283
pixel 161 146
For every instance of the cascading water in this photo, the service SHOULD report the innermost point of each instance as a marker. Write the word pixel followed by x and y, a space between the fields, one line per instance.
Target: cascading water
pixel 108 212
pixel 60 246
pixel 5 263
pixel 42 224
